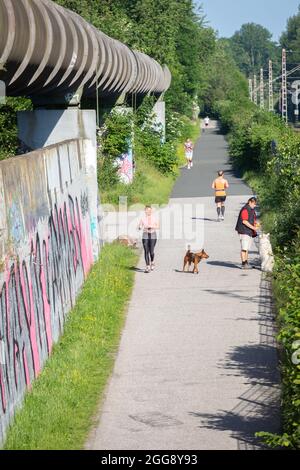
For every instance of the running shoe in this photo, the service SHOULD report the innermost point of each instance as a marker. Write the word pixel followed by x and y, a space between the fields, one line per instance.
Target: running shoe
pixel 246 266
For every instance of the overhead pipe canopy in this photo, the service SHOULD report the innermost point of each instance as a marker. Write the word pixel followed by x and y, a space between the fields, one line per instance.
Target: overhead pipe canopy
pixel 47 50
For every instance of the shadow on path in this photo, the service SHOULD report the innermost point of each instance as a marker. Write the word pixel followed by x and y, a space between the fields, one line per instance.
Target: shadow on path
pixel 137 270
pixel 258 408
pixel 224 264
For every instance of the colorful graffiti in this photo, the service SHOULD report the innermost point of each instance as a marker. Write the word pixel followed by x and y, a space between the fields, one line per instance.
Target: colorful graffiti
pixel 125 164
pixel 35 298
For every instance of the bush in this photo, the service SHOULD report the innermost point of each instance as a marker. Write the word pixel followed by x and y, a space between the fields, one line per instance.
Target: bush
pixel 113 141
pixel 146 138
pixel 287 293
pixel 275 175
pixel 162 155
pixel 8 125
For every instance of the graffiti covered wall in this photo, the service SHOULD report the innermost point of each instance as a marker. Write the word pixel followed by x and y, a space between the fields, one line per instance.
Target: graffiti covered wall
pixel 46 251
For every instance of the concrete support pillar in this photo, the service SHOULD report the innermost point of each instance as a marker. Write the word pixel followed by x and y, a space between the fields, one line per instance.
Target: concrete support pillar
pixel 43 127
pixel 159 110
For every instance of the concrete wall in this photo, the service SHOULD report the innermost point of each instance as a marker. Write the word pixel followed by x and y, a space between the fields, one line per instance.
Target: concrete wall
pixel 46 251
pixel 45 127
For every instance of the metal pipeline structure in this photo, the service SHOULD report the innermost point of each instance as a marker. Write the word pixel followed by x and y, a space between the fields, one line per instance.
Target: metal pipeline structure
pixel 49 51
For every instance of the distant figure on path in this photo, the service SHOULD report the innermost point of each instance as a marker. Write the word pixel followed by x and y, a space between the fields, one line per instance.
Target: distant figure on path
pixel 149 224
pixel 246 227
pixel 206 122
pixel 220 185
pixel 188 150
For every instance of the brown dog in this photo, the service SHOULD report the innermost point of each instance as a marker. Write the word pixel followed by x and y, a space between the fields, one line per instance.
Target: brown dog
pixel 193 258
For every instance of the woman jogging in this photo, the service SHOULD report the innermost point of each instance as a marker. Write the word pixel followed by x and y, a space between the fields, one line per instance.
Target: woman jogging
pixel 220 185
pixel 149 225
pixel 188 150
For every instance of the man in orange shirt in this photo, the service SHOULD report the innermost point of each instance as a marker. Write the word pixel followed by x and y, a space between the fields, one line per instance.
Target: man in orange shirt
pixel 220 185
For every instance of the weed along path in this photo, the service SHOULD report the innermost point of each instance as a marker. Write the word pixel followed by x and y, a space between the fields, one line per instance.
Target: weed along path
pixel 197 364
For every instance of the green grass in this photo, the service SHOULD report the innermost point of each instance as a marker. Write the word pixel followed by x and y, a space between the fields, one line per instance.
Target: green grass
pixel 58 412
pixel 150 186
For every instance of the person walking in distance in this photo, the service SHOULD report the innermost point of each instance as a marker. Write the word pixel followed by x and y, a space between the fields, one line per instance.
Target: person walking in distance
pixel 149 225
pixel 206 122
pixel 220 184
pixel 246 227
pixel 188 150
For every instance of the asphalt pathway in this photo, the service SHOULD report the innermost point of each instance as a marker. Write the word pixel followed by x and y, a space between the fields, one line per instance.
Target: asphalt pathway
pixel 197 363
pixel 210 155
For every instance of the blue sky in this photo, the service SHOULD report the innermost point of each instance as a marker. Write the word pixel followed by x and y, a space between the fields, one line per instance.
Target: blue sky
pixel 227 16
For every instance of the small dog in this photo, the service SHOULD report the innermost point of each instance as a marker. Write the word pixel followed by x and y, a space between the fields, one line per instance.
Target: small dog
pixel 195 258
pixel 127 241
pixel 266 253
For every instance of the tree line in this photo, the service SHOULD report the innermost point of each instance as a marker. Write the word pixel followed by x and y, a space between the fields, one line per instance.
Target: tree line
pixel 175 33
pixel 252 46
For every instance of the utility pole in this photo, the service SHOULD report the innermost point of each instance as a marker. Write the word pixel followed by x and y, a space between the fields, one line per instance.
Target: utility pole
pixel 284 112
pixel 261 89
pixel 271 96
pixel 255 89
pixel 250 89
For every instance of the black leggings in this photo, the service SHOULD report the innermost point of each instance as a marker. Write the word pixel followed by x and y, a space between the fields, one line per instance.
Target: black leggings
pixel 149 242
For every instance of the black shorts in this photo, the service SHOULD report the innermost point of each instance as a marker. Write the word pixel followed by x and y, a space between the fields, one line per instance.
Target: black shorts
pixel 220 199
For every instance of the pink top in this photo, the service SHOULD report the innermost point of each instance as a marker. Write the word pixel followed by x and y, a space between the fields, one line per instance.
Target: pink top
pixel 149 223
pixel 188 146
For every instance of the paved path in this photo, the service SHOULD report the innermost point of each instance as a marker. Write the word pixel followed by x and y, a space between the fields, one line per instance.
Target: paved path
pixel 197 364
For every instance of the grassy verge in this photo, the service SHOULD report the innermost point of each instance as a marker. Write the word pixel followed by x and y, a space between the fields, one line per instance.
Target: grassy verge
pixel 286 292
pixel 57 413
pixel 150 186
pixel 276 216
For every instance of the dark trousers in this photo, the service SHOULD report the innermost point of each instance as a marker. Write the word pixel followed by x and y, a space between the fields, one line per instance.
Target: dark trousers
pixel 149 242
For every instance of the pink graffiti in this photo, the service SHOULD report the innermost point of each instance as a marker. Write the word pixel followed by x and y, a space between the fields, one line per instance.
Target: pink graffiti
pixel 35 299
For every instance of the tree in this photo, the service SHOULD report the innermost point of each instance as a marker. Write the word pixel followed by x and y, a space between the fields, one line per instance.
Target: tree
pixel 170 31
pixel 290 39
pixel 252 48
pixel 222 79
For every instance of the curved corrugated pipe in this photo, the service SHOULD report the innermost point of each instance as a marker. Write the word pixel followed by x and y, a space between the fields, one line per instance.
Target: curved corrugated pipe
pixel 46 49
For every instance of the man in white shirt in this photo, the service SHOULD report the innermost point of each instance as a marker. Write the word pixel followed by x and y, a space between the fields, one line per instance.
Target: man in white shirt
pixel 206 122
